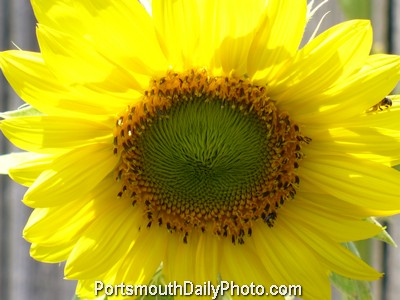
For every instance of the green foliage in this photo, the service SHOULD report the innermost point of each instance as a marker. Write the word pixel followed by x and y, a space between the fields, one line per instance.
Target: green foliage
pixel 22 111
pixel 158 279
pixel 352 289
pixel 356 9
pixel 384 235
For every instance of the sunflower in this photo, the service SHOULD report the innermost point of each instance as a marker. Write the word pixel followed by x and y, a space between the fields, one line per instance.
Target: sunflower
pixel 201 136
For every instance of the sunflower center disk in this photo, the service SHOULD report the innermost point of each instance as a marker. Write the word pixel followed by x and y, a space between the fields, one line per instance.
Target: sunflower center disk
pixel 207 153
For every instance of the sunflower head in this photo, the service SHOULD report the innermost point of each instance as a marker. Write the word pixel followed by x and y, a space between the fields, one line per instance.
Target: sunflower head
pixel 208 153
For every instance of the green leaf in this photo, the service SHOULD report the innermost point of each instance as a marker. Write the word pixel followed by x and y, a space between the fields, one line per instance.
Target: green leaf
pixel 351 288
pixel 22 111
pixel 397 167
pixel 356 9
pixel 384 236
pixel 225 296
pixel 158 279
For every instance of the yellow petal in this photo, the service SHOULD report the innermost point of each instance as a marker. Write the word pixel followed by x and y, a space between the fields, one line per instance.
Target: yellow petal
pixel 358 182
pixel 329 204
pixel 289 261
pixel 338 227
pixel 351 96
pixel 322 62
pixel 277 37
pixel 11 160
pixel 144 257
pixel 178 28
pixel 207 256
pixel 56 225
pixel 48 133
pixel 240 264
pixel 237 22
pixel 74 61
pixel 180 267
pixel 334 256
pixel 104 242
pixel 27 171
pixel 379 144
pixel 62 182
pixel 120 31
pixel 52 254
pixel 186 30
pixel 36 84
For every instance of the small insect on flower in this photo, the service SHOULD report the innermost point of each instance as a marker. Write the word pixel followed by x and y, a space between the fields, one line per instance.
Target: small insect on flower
pixel 270 219
pixel 385 103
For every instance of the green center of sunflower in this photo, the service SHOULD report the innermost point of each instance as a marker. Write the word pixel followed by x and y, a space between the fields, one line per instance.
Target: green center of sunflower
pixel 203 153
pixel 207 153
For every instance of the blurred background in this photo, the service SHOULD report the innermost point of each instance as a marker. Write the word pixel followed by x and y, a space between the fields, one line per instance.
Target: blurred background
pixel 23 278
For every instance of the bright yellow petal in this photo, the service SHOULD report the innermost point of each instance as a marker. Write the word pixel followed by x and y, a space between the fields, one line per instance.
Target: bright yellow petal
pixel 207 256
pixel 48 133
pixel 338 227
pixel 358 182
pixel 186 30
pixel 36 84
pixel 192 255
pixel 240 20
pixel 341 49
pixel 52 254
pixel 56 225
pixel 11 160
pixel 327 203
pixel 178 29
pixel 242 265
pixel 334 256
pixel 89 165
pixel 142 261
pixel 289 261
pixel 27 171
pixel 120 31
pixel 379 144
pixel 180 267
pixel 277 37
pixel 104 242
pixel 351 96
pixel 73 62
